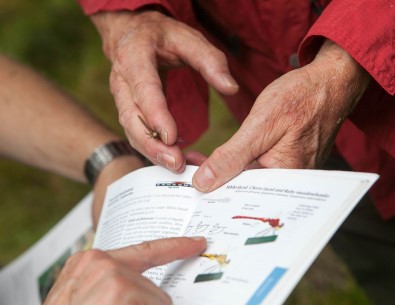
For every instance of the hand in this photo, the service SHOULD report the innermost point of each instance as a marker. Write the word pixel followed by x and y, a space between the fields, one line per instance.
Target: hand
pixel 139 46
pixel 293 122
pixel 114 277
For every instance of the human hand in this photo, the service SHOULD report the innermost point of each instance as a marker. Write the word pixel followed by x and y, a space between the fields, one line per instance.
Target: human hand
pixel 141 47
pixel 114 277
pixel 293 122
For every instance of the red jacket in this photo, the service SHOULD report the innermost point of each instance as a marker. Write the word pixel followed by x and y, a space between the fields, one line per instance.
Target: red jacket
pixel 269 44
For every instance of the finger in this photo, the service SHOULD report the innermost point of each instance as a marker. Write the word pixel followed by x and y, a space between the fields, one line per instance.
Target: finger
pixel 140 136
pixel 255 137
pixel 159 252
pixel 196 51
pixel 195 158
pixel 169 156
pixel 145 88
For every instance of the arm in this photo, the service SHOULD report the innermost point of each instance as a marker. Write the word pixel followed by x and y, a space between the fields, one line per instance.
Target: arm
pixel 114 277
pixel 43 127
pixel 364 29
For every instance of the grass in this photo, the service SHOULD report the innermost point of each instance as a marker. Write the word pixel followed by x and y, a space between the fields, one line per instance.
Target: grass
pixel 56 39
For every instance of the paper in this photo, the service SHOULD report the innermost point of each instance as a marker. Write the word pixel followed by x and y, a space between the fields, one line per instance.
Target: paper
pixel 28 279
pixel 264 228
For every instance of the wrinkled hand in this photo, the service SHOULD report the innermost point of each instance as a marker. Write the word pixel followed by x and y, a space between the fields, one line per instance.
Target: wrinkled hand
pixel 141 46
pixel 293 122
pixel 114 277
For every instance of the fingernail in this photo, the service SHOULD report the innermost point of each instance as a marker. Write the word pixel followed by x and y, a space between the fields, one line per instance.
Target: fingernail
pixel 204 179
pixel 229 81
pixel 163 135
pixel 167 160
pixel 197 237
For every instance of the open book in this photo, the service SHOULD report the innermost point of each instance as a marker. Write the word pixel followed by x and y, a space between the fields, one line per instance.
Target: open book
pixel 264 228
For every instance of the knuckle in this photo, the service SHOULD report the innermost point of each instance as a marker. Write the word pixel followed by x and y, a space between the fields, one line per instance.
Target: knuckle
pixel 86 256
pixel 146 247
pixel 114 83
pixel 197 34
pixel 125 116
pixel 226 160
pixel 143 90
pixel 118 284
pixel 122 55
pixel 147 251
pixel 107 264
pixel 93 254
pixel 138 90
pixel 218 55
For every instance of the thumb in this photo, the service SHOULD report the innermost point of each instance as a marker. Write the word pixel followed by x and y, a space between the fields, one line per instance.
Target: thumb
pixel 231 158
pixel 154 253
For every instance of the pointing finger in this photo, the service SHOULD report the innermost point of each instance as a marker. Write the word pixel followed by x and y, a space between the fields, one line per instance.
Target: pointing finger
pixel 159 252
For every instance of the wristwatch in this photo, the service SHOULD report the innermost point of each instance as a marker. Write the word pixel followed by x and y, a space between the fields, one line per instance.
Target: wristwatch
pixel 104 154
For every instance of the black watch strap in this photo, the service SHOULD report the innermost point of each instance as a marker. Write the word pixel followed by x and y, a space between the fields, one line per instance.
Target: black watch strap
pixel 104 154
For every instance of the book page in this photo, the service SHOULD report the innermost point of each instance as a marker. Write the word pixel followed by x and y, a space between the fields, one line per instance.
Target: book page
pixel 264 228
pixel 147 204
pixel 28 279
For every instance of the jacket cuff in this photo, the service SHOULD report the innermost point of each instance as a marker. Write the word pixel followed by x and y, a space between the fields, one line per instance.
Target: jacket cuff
pixel 180 10
pixel 91 7
pixel 362 28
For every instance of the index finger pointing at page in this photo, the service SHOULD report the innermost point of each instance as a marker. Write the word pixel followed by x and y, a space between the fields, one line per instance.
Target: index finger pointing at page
pixel 159 252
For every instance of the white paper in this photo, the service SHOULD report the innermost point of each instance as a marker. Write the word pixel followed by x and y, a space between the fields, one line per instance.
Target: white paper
pixel 264 228
pixel 26 280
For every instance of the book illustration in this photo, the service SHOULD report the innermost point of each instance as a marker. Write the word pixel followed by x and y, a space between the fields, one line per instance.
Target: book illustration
pixel 213 272
pixel 268 234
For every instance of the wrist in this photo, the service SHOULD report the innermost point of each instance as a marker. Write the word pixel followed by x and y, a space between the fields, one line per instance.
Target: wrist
pixel 342 66
pixel 104 155
pixel 345 80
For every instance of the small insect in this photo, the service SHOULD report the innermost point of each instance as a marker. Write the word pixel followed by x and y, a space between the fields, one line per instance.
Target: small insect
pixel 153 133
pixel 150 132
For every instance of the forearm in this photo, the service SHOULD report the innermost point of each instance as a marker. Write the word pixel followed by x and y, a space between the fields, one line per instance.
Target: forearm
pixel 347 78
pixel 42 126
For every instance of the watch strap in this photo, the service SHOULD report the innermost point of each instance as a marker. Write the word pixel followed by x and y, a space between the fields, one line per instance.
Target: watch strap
pixel 104 154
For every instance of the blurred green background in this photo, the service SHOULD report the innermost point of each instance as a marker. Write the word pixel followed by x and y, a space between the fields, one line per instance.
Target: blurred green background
pixel 55 38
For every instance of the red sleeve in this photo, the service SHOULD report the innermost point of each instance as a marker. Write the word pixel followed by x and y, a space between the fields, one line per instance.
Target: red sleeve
pixel 365 29
pixel 180 9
